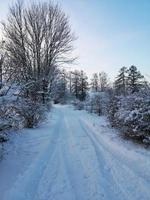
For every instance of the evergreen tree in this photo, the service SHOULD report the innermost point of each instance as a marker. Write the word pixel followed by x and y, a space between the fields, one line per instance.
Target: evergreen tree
pixel 134 79
pixel 95 82
pixel 75 83
pixel 120 82
pixel 83 86
pixel 59 89
pixel 103 81
pixel 79 85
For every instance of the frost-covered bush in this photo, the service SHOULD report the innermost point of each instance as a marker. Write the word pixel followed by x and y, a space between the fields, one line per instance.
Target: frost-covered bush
pixel 79 105
pixel 97 102
pixel 8 116
pixel 132 115
pixel 31 113
pixel 17 112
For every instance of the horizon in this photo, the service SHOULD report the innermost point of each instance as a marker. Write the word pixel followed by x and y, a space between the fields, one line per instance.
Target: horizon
pixel 111 34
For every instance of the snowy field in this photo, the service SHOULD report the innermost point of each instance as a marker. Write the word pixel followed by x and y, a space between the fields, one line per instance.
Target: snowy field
pixel 74 156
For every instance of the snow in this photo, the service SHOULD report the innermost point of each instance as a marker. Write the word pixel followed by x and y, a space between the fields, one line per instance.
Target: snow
pixel 74 156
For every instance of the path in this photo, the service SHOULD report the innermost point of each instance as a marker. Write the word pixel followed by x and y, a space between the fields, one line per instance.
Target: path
pixel 73 157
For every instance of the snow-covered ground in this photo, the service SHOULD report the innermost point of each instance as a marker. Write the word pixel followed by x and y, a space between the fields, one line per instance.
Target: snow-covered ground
pixel 74 156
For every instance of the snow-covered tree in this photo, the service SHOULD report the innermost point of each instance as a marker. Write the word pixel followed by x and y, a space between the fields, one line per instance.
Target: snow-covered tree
pixel 79 84
pixel 134 79
pixel 75 83
pixel 38 37
pixel 95 82
pixel 83 86
pixel 2 55
pixel 121 82
pixel 59 90
pixel 103 81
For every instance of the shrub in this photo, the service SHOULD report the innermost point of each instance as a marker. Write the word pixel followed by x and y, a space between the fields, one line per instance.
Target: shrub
pixel 132 115
pixel 79 105
pixel 31 113
pixel 97 103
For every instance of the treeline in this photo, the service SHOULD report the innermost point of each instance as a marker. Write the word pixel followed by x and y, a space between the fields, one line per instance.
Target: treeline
pixel 69 86
pixel 129 107
pixel 126 102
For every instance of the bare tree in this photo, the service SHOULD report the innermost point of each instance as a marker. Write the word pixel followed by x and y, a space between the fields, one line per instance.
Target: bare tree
pixel 14 32
pixel 1 62
pixel 38 39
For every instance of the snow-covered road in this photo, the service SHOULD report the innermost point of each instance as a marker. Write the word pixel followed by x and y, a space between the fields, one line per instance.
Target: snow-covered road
pixel 75 156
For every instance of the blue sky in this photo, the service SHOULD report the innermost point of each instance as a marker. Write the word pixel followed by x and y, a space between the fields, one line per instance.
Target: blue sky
pixel 111 33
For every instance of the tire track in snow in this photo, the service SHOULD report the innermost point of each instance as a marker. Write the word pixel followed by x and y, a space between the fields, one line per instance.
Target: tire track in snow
pixel 136 188
pixel 73 164
pixel 58 186
pixel 25 187
pixel 124 156
pixel 95 184
pixel 117 155
pixel 115 191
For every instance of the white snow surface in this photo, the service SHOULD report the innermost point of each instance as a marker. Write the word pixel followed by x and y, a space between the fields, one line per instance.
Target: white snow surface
pixel 74 156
